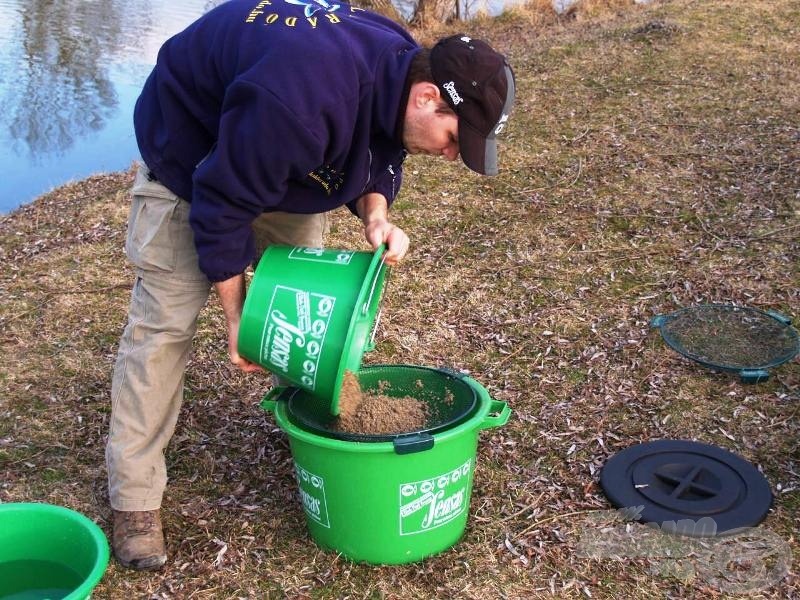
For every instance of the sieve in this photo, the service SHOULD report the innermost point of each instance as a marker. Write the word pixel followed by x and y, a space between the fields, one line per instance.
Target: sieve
pixel 449 397
pixel 726 337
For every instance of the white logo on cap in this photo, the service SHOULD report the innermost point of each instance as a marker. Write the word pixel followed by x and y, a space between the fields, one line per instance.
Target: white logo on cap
pixel 450 86
pixel 501 124
pixel 466 39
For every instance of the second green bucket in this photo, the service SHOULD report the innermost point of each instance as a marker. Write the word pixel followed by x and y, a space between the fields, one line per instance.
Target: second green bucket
pixel 49 551
pixel 310 314
pixel 394 501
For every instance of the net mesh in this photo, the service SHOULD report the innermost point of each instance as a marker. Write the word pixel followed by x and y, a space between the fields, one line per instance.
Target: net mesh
pixel 730 337
pixel 448 397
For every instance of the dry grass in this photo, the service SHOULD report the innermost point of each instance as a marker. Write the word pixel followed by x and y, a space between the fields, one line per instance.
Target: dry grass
pixel 652 163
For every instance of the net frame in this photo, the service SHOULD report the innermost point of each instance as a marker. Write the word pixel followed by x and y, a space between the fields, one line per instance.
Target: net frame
pixel 789 340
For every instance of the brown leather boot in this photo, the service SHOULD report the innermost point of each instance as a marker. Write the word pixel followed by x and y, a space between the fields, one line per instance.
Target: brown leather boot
pixel 138 539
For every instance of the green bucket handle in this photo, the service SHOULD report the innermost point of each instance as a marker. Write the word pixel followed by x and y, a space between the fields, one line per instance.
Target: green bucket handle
pixel 499 413
pixel 370 345
pixel 365 306
pixel 272 397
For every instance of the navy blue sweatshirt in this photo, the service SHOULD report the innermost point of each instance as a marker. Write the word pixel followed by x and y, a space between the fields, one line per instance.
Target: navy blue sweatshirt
pixel 286 105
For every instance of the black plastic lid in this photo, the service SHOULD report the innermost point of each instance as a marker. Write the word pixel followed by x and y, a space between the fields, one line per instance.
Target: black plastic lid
pixel 680 480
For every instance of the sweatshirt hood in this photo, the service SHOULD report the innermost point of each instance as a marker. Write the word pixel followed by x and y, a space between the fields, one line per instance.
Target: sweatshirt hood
pixel 390 102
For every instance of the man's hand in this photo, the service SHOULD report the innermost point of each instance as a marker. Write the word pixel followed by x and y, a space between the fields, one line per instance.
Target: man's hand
pixel 231 294
pixel 374 212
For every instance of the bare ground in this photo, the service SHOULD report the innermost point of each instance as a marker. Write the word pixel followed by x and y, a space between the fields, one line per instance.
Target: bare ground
pixel 653 163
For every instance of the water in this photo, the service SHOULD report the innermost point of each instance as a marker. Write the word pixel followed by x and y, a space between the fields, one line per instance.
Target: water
pixel 70 73
pixel 37 580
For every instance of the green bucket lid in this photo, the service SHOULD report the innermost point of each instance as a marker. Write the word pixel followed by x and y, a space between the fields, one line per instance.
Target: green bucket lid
pixel 310 315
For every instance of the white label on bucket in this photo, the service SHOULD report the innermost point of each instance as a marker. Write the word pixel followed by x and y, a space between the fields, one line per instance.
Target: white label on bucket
pixel 334 257
pixel 433 502
pixel 312 495
pixel 294 333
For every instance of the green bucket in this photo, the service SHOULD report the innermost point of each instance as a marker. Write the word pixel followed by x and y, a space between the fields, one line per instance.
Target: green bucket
pixel 49 551
pixel 310 314
pixel 400 499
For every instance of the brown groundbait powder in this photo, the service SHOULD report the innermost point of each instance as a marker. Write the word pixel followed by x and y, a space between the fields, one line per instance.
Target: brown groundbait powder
pixel 350 396
pixel 372 414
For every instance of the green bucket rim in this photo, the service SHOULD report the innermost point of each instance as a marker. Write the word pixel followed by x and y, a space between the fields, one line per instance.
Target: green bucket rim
pixel 352 356
pixel 304 422
pixel 96 534
pixel 488 413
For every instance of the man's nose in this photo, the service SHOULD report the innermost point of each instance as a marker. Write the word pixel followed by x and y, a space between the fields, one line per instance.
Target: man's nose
pixel 450 152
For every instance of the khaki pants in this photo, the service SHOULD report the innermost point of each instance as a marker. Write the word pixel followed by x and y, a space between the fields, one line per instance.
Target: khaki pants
pixel 168 294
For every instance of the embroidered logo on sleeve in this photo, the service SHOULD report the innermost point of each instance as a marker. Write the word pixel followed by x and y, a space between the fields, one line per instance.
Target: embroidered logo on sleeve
pixel 328 178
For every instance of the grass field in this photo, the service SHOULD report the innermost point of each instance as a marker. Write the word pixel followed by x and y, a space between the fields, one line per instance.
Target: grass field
pixel 652 163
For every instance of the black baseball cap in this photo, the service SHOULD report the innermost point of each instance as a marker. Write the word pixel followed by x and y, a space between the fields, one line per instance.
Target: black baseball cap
pixel 478 84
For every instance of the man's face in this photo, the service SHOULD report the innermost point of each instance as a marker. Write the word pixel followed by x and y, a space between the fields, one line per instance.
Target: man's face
pixel 429 127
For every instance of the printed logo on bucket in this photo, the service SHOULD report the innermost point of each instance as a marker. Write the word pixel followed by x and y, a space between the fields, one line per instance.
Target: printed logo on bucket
pixel 336 257
pixel 312 495
pixel 294 333
pixel 431 503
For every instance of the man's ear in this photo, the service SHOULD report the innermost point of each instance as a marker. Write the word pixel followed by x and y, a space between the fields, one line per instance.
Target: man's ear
pixel 424 92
